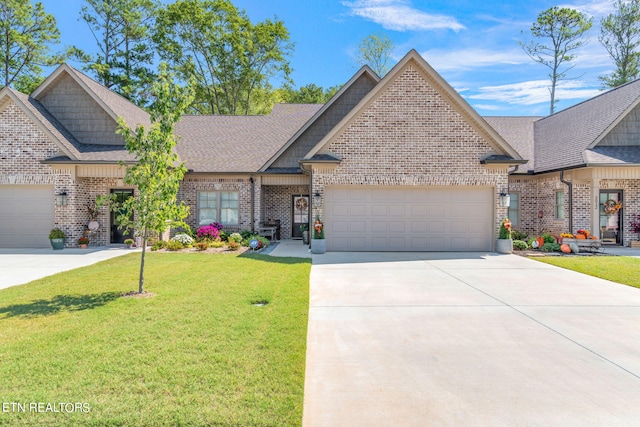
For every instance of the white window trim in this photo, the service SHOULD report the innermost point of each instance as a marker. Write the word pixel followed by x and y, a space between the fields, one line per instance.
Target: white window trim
pixel 218 206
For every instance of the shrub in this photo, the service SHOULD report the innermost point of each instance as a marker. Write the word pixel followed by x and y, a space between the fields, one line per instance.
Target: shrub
pixel 519 235
pixel 159 245
pixel 185 239
pixel 216 244
pixel 263 242
pixel 235 237
pixel 202 246
pixel 56 233
pixel 520 245
pixel 505 229
pixel 550 247
pixel 548 238
pixel 174 245
pixel 246 234
pixel 208 232
pixel 224 236
pixel 233 245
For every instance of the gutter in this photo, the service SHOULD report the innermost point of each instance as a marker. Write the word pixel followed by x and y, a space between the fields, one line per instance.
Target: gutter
pixel 253 204
pixel 570 188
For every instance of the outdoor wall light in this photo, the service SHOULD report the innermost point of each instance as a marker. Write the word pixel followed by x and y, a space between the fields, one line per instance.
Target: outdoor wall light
pixel 505 199
pixel 317 200
pixel 61 198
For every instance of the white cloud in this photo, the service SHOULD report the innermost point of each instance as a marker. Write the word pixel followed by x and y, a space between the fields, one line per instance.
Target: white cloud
pixel 596 8
pixel 534 92
pixel 400 15
pixel 470 59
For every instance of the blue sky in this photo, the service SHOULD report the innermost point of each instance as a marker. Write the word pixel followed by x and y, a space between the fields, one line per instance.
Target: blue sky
pixel 472 44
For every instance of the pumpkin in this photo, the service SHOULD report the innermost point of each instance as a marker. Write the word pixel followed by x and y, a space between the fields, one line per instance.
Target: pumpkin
pixel 565 248
pixel 540 242
pixel 574 248
pixel 580 236
pixel 594 237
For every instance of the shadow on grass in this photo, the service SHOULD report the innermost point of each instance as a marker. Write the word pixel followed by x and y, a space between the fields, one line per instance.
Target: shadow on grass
pixel 59 303
pixel 274 259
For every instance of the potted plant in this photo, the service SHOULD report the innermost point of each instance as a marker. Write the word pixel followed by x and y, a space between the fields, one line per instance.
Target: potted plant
pixel 505 244
pixel 83 242
pixel 304 229
pixel 635 228
pixel 318 243
pixel 129 243
pixel 56 237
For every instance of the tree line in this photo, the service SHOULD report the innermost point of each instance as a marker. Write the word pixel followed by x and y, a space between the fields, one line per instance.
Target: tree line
pixel 231 61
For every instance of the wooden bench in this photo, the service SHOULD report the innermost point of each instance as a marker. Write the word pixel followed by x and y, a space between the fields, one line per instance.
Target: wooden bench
pixel 269 232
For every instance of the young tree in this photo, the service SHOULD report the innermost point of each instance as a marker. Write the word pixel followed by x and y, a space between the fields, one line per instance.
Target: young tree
pixel 230 58
pixel 122 30
pixel 561 30
pixel 620 36
pixel 26 33
pixel 375 51
pixel 156 175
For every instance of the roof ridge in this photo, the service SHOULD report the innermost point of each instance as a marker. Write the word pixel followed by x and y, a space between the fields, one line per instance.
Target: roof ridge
pixel 585 101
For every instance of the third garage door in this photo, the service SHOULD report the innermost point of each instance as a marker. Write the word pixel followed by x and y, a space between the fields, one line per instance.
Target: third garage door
pixel 409 218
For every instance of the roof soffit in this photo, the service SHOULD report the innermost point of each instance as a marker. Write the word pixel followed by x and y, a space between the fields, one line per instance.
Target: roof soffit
pixel 441 86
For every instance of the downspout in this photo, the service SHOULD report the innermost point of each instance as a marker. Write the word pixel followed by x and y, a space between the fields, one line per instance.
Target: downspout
pixel 253 204
pixel 570 188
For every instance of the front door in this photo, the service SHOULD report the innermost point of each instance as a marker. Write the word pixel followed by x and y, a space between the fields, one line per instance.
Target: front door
pixel 118 233
pixel 300 215
pixel 610 216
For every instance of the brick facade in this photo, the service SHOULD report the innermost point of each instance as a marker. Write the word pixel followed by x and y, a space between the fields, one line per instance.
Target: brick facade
pixel 411 135
pixel 277 205
pixel 630 203
pixel 193 184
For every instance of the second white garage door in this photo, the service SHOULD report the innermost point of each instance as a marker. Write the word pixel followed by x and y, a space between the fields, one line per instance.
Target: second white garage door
pixel 26 215
pixel 409 218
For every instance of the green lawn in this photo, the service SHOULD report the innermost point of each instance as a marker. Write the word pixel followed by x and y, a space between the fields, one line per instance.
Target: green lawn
pixel 197 353
pixel 625 270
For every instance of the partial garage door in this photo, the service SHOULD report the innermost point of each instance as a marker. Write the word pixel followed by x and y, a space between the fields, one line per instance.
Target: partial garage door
pixel 409 219
pixel 26 215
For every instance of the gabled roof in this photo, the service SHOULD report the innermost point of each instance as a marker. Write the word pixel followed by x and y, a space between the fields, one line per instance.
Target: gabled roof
pixel 72 149
pixel 238 143
pixel 114 104
pixel 365 70
pixel 562 139
pixel 518 132
pixel 493 138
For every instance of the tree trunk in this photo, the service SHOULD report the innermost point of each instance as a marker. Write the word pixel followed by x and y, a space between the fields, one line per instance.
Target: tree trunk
pixel 144 250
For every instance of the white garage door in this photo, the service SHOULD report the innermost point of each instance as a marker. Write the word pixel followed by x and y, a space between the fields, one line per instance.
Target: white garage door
pixel 26 215
pixel 409 219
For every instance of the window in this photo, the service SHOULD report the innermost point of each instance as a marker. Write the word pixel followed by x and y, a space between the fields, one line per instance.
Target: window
pixel 514 210
pixel 218 206
pixel 559 204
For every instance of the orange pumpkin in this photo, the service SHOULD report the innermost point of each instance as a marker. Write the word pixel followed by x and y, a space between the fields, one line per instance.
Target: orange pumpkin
pixel 594 237
pixel 580 237
pixel 540 242
pixel 565 248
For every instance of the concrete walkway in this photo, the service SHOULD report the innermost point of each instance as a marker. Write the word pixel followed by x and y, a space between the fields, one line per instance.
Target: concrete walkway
pixel 19 266
pixel 468 340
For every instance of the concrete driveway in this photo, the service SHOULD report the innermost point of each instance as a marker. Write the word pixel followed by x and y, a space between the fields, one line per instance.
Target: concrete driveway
pixel 468 339
pixel 19 266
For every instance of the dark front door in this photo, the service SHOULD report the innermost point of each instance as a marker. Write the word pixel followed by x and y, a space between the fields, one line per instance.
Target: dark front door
pixel 611 216
pixel 118 233
pixel 300 214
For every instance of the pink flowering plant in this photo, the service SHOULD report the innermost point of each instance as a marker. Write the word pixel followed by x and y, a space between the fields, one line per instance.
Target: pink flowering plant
pixel 209 232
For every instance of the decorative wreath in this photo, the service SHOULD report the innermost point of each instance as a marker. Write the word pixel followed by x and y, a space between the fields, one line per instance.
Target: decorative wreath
pixel 612 206
pixel 302 204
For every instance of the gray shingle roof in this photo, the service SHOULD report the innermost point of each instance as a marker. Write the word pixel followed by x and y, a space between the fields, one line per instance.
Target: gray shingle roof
pixel 83 152
pixel 238 143
pixel 613 155
pixel 518 132
pixel 561 139
pixel 119 105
